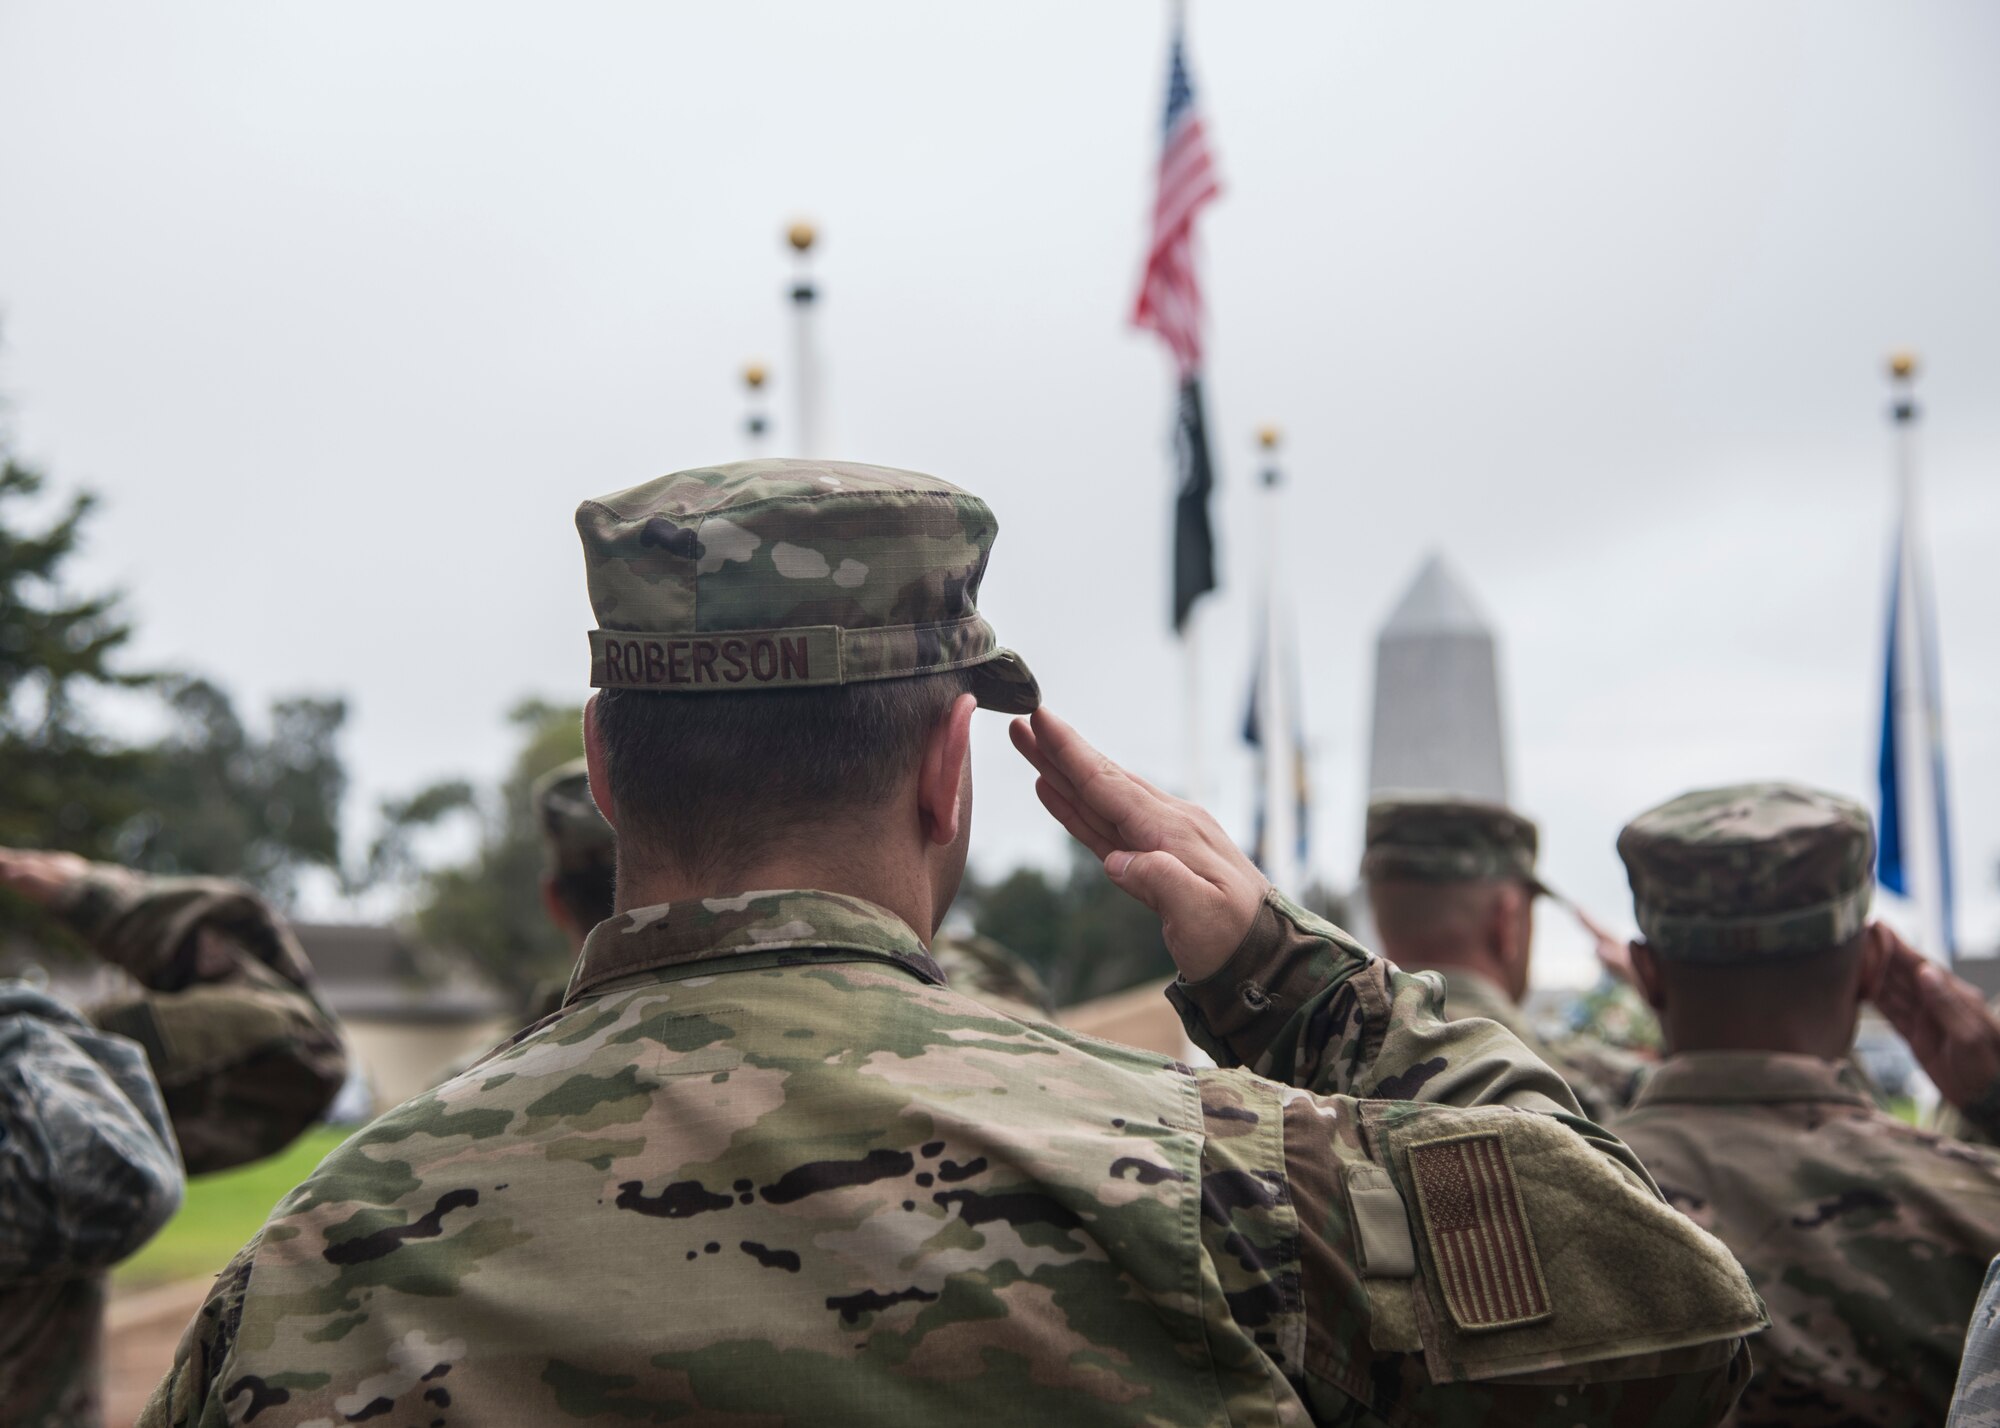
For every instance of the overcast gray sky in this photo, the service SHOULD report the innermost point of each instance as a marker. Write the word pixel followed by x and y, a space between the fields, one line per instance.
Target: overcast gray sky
pixel 344 308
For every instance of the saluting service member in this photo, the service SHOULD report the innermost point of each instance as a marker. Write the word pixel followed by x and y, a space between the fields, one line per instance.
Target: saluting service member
pixel 1452 886
pixel 1866 1237
pixel 766 1166
pixel 223 1054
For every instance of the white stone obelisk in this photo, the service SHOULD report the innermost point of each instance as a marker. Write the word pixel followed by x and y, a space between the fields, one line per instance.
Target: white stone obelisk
pixel 1438 726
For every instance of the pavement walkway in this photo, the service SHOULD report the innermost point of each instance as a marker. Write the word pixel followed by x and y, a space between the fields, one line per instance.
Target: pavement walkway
pixel 141 1331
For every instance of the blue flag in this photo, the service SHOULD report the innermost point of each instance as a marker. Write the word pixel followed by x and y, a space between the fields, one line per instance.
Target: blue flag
pixel 1913 845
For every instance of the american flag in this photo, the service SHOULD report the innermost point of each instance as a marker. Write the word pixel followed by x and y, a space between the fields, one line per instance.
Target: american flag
pixel 1486 1260
pixel 1170 304
pixel 1169 297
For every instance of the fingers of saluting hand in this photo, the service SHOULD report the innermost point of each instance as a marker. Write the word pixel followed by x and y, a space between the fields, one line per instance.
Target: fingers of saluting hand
pixel 1072 819
pixel 1167 853
pixel 14 866
pixel 1100 791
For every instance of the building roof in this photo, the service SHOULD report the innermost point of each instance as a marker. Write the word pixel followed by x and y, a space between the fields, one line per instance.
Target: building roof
pixel 372 972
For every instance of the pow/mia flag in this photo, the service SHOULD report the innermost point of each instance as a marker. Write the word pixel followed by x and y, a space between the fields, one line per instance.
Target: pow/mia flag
pixel 1194 540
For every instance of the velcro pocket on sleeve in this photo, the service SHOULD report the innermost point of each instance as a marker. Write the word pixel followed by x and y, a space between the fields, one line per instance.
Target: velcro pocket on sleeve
pixel 1536 1254
pixel 1386 1257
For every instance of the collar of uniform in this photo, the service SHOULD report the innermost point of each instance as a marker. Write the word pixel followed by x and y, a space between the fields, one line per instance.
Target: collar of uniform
pixel 1474 988
pixel 777 927
pixel 1469 993
pixel 1766 1076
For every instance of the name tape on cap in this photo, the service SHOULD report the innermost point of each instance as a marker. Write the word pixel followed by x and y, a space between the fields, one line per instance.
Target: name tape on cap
pixel 750 659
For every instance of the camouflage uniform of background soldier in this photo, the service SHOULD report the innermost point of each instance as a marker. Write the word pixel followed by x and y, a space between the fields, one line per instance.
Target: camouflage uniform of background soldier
pixel 1866 1237
pixel 1976 1403
pixel 766 1167
pixel 221 1038
pixel 1451 883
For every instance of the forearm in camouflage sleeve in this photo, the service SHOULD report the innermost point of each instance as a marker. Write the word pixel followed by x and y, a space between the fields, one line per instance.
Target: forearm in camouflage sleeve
pixel 1302 1002
pixel 87 1165
pixel 245 1054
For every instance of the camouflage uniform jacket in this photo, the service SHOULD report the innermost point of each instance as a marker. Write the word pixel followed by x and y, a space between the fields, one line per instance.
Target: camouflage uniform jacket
pixel 246 1055
pixel 87 1175
pixel 1866 1237
pixel 988 972
pixel 1604 1077
pixel 1976 1403
pixel 242 1058
pixel 768 1169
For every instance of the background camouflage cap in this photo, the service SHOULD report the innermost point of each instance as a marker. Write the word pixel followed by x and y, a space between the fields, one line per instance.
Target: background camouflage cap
pixel 1755 870
pixel 574 834
pixel 790 574
pixel 1438 838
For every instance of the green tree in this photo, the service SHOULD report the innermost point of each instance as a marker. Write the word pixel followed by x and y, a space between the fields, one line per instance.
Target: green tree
pixel 216 798
pixel 66 785
pixel 489 907
pixel 208 797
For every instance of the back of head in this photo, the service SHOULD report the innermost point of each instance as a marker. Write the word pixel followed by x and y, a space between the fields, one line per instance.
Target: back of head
pixel 1449 883
pixel 1751 902
pixel 775 640
pixel 579 850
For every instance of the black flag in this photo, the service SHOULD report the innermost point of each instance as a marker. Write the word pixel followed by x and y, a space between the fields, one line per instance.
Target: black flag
pixel 1194 541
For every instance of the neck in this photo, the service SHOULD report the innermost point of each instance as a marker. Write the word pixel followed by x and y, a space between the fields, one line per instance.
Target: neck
pixel 853 868
pixel 1443 958
pixel 1795 1038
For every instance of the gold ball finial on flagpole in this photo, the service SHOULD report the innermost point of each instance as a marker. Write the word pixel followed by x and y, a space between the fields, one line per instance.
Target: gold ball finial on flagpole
pixel 1267 437
pixel 801 235
pixel 1902 364
pixel 753 375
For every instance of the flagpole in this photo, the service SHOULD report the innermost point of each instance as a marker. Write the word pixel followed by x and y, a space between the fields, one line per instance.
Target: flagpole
pixel 755 425
pixel 1913 738
pixel 805 358
pixel 1275 715
pixel 1191 681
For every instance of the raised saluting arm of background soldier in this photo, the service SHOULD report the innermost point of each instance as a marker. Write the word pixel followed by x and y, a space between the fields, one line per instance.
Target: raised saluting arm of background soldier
pixel 1953 1033
pixel 245 1054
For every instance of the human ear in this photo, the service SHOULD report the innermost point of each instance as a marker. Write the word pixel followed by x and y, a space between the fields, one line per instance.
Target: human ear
pixel 556 908
pixel 1874 961
pixel 600 764
pixel 941 774
pixel 1646 976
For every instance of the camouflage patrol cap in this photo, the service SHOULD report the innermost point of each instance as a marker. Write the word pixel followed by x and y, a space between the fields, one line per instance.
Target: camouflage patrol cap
pixel 1440 838
pixel 792 574
pixel 575 836
pixel 1752 871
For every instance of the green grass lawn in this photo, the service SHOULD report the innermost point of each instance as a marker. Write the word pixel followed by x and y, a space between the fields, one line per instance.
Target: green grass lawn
pixel 221 1212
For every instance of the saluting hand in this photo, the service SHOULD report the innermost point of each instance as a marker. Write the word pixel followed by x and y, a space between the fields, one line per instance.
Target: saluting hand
pixel 1953 1035
pixel 38 874
pixel 1168 853
pixel 1614 953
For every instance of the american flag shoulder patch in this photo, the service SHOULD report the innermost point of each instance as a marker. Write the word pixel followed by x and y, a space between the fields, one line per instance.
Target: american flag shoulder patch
pixel 1478 1232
